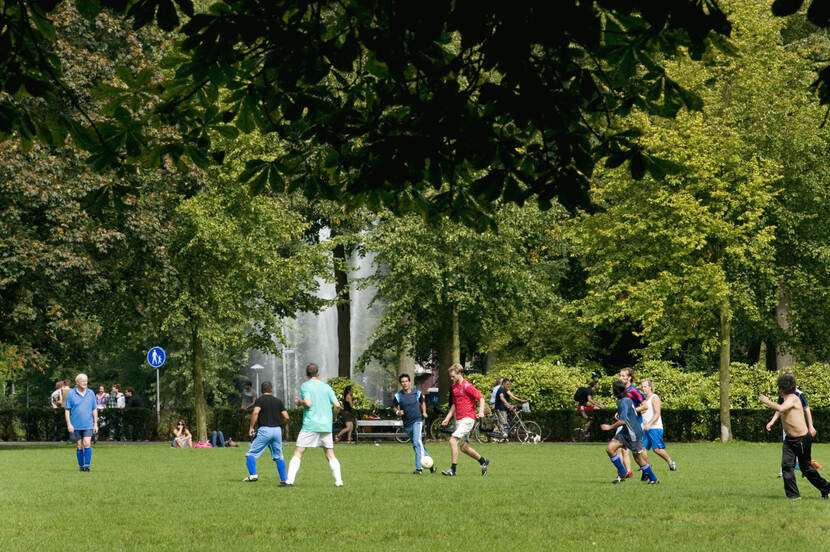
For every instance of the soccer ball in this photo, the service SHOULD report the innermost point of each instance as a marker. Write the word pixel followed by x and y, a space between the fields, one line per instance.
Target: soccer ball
pixel 426 462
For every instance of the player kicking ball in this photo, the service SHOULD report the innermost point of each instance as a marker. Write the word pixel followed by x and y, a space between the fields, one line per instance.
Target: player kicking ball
pixel 630 438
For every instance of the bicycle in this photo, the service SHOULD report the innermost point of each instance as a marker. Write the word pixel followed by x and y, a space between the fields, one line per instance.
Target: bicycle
pixel 523 431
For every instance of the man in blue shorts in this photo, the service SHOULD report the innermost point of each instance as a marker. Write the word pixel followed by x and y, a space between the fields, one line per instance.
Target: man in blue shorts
pixel 653 425
pixel 410 404
pixel 317 400
pixel 629 438
pixel 81 411
pixel 270 414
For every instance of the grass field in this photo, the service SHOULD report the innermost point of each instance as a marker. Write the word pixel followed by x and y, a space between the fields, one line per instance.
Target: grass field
pixel 536 497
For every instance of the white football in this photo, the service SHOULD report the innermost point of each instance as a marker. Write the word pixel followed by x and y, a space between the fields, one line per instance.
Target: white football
pixel 426 462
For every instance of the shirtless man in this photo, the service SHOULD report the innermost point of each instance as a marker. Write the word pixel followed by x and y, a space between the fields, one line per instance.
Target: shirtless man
pixel 798 442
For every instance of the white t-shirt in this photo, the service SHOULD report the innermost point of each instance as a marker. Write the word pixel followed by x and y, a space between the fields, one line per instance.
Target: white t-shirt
pixel 649 414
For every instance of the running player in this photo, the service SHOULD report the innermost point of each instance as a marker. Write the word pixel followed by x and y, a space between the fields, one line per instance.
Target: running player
pixel 629 437
pixel 798 443
pixel 270 414
pixel 464 397
pixel 653 425
pixel 627 377
pixel 410 404
pixel 807 414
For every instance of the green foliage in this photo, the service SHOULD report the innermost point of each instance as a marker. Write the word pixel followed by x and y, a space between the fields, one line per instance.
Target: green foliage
pixel 358 396
pixel 497 281
pixel 550 384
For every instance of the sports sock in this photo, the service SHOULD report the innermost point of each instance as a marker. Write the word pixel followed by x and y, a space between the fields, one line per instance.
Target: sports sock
pixel 80 454
pixel 453 468
pixel 334 464
pixel 281 469
pixel 617 461
pixel 87 457
pixel 293 468
pixel 647 470
pixel 481 460
pixel 250 462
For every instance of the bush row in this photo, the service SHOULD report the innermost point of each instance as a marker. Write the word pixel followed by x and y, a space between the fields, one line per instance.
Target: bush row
pixel 550 385
pixel 39 424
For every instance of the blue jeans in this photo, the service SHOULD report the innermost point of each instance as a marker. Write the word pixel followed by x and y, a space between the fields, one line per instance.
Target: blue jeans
pixel 414 432
pixel 217 439
pixel 266 436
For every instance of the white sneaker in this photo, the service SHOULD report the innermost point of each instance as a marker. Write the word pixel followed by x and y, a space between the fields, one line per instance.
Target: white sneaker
pixel 338 483
pixel 251 478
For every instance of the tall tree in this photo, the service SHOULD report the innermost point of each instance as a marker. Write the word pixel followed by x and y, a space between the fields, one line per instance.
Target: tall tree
pixel 445 285
pixel 241 267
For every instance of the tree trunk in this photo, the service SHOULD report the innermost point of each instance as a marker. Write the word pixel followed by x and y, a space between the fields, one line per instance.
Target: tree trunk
pixel 723 374
pixel 344 319
pixel 449 354
pixel 406 364
pixel 199 403
pixel 783 354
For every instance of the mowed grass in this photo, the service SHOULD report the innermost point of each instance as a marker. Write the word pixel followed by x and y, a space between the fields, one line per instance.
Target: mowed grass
pixel 536 497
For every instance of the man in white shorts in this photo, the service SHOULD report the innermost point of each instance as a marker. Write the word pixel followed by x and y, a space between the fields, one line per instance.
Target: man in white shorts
pixel 464 396
pixel 317 400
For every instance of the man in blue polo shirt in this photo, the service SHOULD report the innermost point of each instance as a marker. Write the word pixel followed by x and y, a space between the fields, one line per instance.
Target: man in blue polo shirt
pixel 81 412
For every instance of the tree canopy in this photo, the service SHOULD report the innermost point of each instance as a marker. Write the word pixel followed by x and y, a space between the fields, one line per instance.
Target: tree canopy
pixel 443 110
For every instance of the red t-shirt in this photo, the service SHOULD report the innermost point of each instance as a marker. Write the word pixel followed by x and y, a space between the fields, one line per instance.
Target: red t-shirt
pixel 464 397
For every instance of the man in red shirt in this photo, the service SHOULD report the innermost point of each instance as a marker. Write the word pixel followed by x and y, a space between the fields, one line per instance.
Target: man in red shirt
pixel 464 396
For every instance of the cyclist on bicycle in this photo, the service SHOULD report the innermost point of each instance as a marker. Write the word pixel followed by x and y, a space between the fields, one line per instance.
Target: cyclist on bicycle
pixel 584 396
pixel 503 405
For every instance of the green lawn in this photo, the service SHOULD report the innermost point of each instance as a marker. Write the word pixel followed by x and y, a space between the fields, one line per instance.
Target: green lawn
pixel 542 497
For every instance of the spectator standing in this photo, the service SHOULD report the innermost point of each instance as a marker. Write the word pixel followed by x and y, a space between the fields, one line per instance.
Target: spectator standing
pixel 101 397
pixel 248 395
pixel 347 414
pixel 133 400
pixel 268 416
pixel 56 401
pixel 317 400
pixel 82 420
pixel 584 398
pixel 112 421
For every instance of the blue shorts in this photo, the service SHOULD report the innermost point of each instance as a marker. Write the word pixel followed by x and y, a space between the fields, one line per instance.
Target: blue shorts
pixel 633 445
pixel 653 438
pixel 79 434
pixel 266 436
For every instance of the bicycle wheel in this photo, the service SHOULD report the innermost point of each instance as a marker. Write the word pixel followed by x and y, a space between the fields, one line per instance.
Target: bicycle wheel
pixel 401 435
pixel 529 432
pixel 480 434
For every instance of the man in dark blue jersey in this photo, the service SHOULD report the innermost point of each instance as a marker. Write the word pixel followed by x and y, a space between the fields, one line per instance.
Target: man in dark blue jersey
pixel 410 404
pixel 630 436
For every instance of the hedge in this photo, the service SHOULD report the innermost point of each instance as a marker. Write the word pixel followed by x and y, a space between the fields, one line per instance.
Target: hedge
pixel 38 424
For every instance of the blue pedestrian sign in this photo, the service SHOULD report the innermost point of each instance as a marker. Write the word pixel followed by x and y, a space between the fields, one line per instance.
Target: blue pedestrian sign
pixel 156 357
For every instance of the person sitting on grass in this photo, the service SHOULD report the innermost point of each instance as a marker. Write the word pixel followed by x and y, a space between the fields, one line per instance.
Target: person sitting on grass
pixel 630 436
pixel 798 442
pixel 182 437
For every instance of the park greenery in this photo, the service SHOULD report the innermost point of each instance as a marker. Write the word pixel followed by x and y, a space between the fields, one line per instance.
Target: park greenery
pixel 548 191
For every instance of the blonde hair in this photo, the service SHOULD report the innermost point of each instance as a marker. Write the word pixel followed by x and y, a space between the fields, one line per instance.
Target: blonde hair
pixel 455 369
pixel 647 381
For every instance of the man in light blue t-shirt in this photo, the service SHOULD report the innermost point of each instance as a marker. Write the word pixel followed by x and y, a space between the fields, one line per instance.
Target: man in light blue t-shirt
pixel 317 400
pixel 81 412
